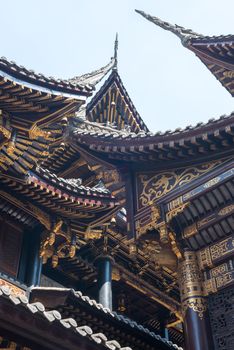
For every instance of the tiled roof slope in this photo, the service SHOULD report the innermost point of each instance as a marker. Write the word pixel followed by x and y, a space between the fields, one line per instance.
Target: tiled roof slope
pixel 100 130
pixel 37 309
pixel 204 138
pixel 79 84
pixel 71 184
pixel 86 301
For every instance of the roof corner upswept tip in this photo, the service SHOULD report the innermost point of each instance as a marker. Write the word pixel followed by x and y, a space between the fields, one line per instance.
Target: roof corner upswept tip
pixel 94 77
pixel 183 33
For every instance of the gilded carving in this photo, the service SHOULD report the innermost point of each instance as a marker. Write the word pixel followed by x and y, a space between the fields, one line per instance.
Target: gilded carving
pixel 174 246
pixel 57 244
pixel 109 175
pixel 205 221
pixel 6 133
pixel 175 203
pixel 151 222
pixel 228 74
pixel 191 287
pixel 209 286
pixel 190 231
pixel 198 305
pixel 163 233
pixel 221 248
pixel 219 270
pixel 92 233
pixel 207 256
pixel 194 228
pixel 116 275
pixel 227 210
pixel 133 249
pixel 224 279
pixel 11 146
pixel 157 186
pixel 5 129
pixel 174 212
pixel 204 258
pixel 35 132
pixel 220 277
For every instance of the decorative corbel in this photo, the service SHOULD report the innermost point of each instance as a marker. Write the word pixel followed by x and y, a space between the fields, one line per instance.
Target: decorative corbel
pixel 175 211
pixel 163 233
pixel 55 249
pixel 149 221
pixel 174 245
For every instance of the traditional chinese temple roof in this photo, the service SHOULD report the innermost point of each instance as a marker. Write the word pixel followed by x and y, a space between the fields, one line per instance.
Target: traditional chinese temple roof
pixel 216 52
pixel 112 105
pixel 83 84
pixel 204 138
pixel 65 172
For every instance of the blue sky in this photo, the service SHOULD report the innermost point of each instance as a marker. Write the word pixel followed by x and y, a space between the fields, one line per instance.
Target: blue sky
pixel 169 86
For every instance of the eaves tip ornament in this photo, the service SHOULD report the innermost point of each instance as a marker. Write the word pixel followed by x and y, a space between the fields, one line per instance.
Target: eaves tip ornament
pixel 184 34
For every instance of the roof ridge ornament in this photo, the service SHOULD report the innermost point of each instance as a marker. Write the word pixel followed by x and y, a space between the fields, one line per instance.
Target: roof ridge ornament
pixel 116 46
pixel 183 33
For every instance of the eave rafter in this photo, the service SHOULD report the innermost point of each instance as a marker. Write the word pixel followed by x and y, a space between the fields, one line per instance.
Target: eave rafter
pixel 18 98
pixel 224 212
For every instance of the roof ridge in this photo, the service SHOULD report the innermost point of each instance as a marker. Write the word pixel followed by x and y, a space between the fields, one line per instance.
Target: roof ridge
pixel 142 133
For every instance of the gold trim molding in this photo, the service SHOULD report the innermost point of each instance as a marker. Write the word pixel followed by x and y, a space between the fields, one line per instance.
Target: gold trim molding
pixel 198 305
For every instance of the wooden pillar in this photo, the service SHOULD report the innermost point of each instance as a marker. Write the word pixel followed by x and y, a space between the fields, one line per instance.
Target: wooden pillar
pixel 104 266
pixel 194 306
pixel 34 261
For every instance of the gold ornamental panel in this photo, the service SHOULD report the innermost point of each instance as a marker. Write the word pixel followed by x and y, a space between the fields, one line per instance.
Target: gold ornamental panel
pixel 216 252
pixel 151 187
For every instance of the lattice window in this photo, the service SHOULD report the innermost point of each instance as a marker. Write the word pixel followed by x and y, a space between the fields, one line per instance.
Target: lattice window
pixel 221 309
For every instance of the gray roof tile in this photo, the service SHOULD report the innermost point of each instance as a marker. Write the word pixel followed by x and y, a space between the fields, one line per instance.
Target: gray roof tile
pixel 54 315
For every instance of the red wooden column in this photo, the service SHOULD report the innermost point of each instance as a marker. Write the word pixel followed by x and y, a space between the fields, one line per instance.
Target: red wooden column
pixel 194 306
